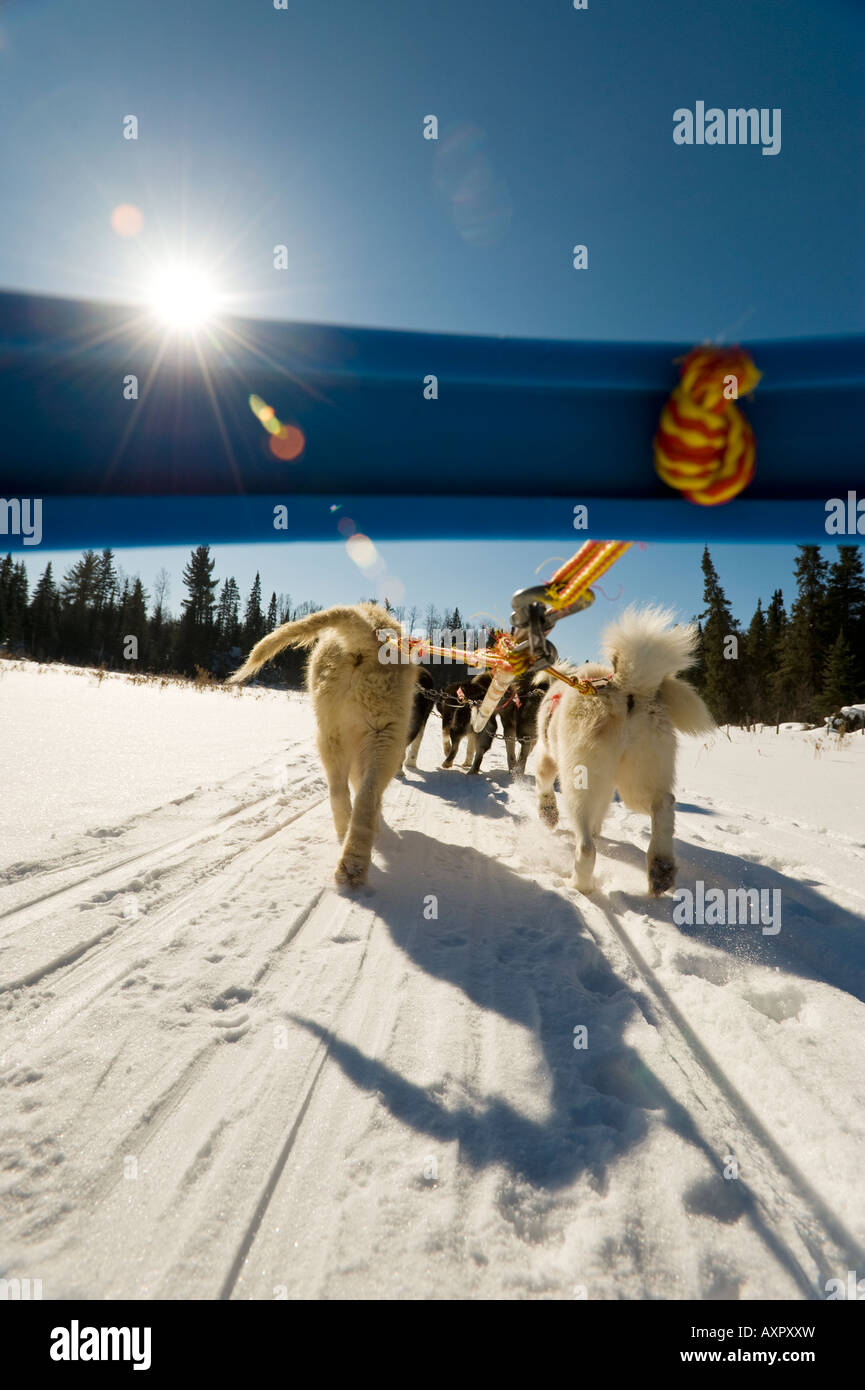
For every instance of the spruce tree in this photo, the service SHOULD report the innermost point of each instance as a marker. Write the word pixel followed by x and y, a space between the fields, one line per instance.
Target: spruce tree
pixel 228 615
pixel 253 618
pixel 77 600
pixel 5 575
pixel 195 637
pixel 105 611
pixel 845 605
pixel 803 649
pixel 14 616
pixel 722 677
pixel 45 617
pixel 776 627
pixel 133 623
pixel 272 619
pixel 839 677
pixel 755 666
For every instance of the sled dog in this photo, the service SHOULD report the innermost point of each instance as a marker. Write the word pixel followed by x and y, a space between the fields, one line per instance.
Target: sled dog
pixel 621 738
pixel 455 704
pixel 518 713
pixel 363 709
pixel 422 707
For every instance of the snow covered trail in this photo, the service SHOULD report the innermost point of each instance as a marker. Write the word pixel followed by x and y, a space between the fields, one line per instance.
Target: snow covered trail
pixel 221 1077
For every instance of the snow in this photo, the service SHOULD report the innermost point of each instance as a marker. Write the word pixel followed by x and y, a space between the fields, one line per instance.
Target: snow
pixel 223 1077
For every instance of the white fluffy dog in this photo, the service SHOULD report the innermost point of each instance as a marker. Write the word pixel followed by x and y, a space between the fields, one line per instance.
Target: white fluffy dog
pixel 621 738
pixel 362 708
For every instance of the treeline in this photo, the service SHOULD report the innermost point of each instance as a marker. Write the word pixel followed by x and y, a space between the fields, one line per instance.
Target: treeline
pixel 796 666
pixel 783 666
pixel 95 616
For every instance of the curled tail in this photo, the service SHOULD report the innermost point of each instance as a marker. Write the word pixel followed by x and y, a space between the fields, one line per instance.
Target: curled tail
pixel 645 647
pixel 687 711
pixel 361 623
pixel 647 650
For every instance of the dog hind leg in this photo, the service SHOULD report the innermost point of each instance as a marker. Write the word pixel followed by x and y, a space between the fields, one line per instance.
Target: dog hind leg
pixel 414 748
pixel 336 772
pixel 449 748
pixel 525 750
pixel 369 784
pixel 660 858
pixel 482 743
pixel 588 792
pixel 545 779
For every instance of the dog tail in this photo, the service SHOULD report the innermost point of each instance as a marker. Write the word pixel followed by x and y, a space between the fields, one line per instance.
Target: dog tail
pixel 542 681
pixel 645 647
pixel 352 622
pixel 686 709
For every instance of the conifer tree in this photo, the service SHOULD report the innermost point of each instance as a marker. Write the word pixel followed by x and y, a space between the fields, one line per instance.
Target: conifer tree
pixel 802 651
pixel 272 619
pixel 45 617
pixel 228 614
pixel 77 601
pixel 253 618
pixel 845 606
pixel 195 636
pixel 721 687
pixel 776 627
pixel 839 677
pixel 755 665
pixel 133 621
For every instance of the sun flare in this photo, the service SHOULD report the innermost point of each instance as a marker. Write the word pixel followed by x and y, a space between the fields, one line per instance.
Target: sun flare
pixel 184 298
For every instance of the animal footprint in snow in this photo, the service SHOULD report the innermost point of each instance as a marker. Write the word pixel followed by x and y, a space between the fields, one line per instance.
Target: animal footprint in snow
pixel 235 1022
pixel 233 1026
pixel 779 1005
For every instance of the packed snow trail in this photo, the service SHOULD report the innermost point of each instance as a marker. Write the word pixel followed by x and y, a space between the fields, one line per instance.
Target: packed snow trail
pixel 222 1077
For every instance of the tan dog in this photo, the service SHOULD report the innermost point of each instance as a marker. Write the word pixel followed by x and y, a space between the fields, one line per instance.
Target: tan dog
pixel 362 707
pixel 621 738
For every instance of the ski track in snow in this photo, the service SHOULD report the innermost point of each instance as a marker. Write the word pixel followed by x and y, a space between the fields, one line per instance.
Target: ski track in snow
pixel 223 1077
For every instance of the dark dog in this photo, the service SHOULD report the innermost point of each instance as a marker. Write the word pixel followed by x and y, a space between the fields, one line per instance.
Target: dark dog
pixel 424 699
pixel 518 713
pixel 455 705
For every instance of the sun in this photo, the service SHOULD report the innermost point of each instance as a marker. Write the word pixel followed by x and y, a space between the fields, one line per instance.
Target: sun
pixel 183 297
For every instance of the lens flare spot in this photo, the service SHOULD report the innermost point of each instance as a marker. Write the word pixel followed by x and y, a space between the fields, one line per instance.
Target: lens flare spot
pixel 361 550
pixel 346 527
pixel 390 588
pixel 288 443
pixel 127 219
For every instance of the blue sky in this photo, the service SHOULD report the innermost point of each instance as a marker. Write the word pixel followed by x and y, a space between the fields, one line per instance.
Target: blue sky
pixel 303 127
pixel 479 578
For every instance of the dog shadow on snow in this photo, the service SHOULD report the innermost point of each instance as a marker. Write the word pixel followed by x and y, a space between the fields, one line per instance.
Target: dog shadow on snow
pixel 523 952
pixel 817 940
pixel 483 793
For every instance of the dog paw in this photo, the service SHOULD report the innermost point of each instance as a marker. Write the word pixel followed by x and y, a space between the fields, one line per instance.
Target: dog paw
pixel 351 870
pixel 549 811
pixel 662 875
